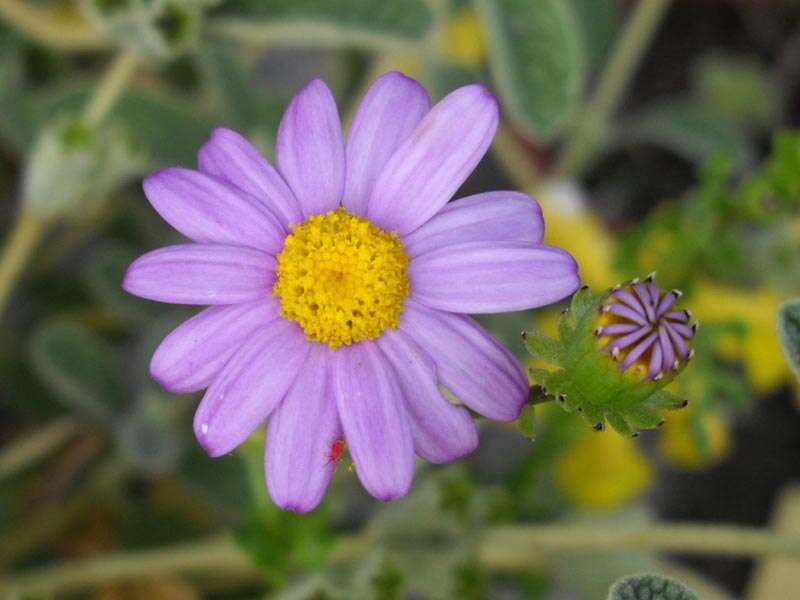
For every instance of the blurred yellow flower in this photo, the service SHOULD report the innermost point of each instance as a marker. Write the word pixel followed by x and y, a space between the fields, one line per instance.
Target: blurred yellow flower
pixel 570 224
pixel 463 41
pixel 602 470
pixel 759 351
pixel 678 447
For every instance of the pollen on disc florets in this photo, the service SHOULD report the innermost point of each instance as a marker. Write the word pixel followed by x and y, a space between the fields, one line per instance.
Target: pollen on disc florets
pixel 341 278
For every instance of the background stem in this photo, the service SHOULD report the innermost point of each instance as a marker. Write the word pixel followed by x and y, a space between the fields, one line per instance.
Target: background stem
pixel 512 547
pixel 503 548
pixel 34 446
pixel 110 87
pixel 215 557
pixel 614 79
pixel 44 25
pixel 16 253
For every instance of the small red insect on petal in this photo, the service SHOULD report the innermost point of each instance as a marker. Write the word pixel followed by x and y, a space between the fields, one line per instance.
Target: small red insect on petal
pixel 335 451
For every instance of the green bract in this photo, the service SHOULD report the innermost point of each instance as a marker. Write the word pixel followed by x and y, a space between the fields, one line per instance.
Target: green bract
pixel 589 381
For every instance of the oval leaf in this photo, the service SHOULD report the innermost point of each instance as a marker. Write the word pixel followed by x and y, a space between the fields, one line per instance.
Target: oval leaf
pixel 78 367
pixel 537 61
pixel 689 130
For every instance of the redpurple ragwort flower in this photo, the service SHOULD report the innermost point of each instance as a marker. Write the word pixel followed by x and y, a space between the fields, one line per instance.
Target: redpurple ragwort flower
pixel 337 283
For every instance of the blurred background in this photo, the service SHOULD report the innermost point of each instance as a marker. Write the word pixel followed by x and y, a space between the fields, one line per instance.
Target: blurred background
pixel 656 134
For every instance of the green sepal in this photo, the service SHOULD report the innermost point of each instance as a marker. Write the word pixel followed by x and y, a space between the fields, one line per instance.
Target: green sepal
pixel 664 400
pixel 542 346
pixel 587 381
pixel 566 325
pixel 582 301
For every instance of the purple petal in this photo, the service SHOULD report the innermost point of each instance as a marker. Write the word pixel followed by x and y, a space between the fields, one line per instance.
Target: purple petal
pixel 677 340
pixel 250 386
pixel 207 209
pixel 470 363
pixel 189 358
pixel 388 113
pixel 201 274
pixel 638 350
pixel 678 315
pixel 682 329
pixel 432 164
pixel 442 432
pixel 300 434
pixel 618 329
pixel 644 296
pixel 310 150
pixel 631 301
pixel 371 409
pixel 655 362
pixel 626 340
pixel 489 217
pixel 490 277
pixel 666 349
pixel 654 292
pixel 666 303
pixel 231 157
pixel 626 312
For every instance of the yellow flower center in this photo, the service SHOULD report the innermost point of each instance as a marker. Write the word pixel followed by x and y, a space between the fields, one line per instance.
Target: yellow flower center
pixel 341 279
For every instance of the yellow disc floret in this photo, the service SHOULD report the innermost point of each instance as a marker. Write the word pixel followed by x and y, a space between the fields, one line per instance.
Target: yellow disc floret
pixel 341 278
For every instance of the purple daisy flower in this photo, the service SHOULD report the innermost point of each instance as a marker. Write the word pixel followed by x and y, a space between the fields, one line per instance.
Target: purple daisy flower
pixel 640 328
pixel 337 283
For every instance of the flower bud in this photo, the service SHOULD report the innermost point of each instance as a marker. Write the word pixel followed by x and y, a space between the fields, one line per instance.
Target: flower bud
pixel 74 166
pixel 616 353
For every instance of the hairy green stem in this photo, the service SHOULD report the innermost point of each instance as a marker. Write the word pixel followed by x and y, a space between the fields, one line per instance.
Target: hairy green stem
pixel 503 548
pixel 34 446
pixel 625 58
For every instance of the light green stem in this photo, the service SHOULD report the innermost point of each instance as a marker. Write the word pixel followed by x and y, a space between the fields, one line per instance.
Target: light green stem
pixel 513 547
pixel 504 548
pixel 215 557
pixel 110 87
pixel 625 58
pixel 35 446
pixel 17 251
